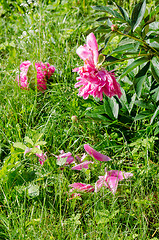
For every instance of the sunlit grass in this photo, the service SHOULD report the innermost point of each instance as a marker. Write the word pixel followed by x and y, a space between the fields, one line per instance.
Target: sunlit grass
pixel 52 33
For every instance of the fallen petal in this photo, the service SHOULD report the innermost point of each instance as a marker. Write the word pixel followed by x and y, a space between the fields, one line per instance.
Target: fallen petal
pixel 93 153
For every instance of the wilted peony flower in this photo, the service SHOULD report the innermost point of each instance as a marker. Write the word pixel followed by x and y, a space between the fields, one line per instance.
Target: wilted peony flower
pixel 28 74
pixel 81 187
pixel 110 180
pixel 93 79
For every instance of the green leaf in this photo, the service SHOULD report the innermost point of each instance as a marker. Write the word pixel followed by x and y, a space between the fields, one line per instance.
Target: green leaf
pixel 133 65
pixel 33 191
pixel 102 29
pixel 98 116
pixel 101 59
pixel 126 47
pixel 28 140
pixel 109 10
pixel 19 145
pixel 111 107
pixel 40 143
pixel 36 150
pixel 155 72
pixel 140 78
pixel 124 13
pixel 143 115
pixel 154 115
pixel 138 14
pixel 61 161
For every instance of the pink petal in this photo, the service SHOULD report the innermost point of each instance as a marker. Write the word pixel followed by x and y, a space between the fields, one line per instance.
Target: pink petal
pixel 112 184
pixel 84 53
pixel 82 165
pixel 92 43
pixel 81 187
pixel 119 174
pixel 93 153
pixel 27 150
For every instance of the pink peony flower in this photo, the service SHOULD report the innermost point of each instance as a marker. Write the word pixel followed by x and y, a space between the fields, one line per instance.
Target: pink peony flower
pixel 70 158
pixel 94 80
pixel 110 180
pixel 43 72
pixel 81 187
pixel 93 153
pixel 82 165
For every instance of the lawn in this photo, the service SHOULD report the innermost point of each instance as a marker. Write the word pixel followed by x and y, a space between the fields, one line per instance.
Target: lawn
pixel 46 130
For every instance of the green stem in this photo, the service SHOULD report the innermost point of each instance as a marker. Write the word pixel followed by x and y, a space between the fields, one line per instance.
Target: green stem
pixel 139 40
pixel 124 59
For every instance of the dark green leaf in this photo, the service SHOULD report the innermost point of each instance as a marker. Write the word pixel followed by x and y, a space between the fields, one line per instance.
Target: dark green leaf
pixel 111 107
pixel 102 29
pixel 133 65
pixel 109 10
pixel 126 47
pixel 124 13
pixel 143 115
pixel 138 14
pixel 154 115
pixel 155 72
pixel 102 19
pixel 140 78
pixel 106 41
pixel 111 59
pixel 97 116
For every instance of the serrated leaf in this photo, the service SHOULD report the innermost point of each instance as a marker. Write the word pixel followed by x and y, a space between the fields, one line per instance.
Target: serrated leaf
pixel 108 10
pixel 19 145
pixel 140 78
pixel 138 14
pixel 28 140
pixel 133 65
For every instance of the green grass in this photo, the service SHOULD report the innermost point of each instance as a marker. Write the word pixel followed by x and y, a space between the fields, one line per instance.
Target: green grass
pixel 34 199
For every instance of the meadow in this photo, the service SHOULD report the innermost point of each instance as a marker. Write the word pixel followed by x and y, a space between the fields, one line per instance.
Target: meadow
pixel 119 131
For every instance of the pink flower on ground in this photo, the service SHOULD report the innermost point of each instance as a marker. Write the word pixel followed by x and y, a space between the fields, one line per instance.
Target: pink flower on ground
pixel 81 187
pixel 43 72
pixel 42 156
pixel 110 180
pixel 94 80
pixel 70 158
pixel 93 153
pixel 82 165
pixel 23 82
